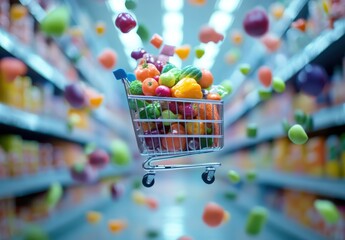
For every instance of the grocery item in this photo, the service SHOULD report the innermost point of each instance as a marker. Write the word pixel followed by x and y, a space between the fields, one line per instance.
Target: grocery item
pixel 213 214
pixel 125 22
pixel 327 210
pixel 297 134
pixel 233 176
pixel 256 220
pixel 107 58
pixel 256 22
pixel 56 22
pixel 156 40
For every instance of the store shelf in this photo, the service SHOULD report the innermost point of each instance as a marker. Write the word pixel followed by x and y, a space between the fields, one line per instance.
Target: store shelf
pixel 53 225
pixel 318 185
pixel 314 49
pixel 24 185
pixel 323 119
pixel 15 48
pixel 39 65
pixel 13 117
pixel 284 224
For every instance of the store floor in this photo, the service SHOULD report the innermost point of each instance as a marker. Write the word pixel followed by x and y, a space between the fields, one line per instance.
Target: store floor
pixel 172 219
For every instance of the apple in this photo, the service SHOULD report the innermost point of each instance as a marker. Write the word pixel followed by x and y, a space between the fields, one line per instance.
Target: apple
pixel 163 91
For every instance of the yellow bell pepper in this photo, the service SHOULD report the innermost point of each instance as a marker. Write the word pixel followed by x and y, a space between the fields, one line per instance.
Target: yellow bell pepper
pixel 187 88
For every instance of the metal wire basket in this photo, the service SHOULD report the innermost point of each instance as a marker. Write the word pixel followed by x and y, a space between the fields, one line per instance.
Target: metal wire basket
pixel 167 127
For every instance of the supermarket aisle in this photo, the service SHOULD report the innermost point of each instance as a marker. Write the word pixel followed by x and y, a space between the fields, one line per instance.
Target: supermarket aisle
pixel 172 219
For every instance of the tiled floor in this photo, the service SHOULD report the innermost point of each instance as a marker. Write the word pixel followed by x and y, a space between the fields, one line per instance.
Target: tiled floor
pixel 171 220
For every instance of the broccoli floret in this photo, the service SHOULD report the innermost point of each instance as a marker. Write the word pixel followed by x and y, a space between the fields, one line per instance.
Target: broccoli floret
pixel 136 88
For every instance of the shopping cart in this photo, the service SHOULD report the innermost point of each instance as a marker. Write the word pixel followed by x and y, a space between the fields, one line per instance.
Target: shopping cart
pixel 196 128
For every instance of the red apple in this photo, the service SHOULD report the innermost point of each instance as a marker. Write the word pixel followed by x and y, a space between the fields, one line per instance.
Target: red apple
pixel 163 91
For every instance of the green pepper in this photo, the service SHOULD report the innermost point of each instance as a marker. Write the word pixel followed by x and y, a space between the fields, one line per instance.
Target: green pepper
pixel 135 104
pixel 151 111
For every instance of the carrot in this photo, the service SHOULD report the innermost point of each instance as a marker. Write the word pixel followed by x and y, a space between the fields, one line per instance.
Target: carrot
pixel 211 113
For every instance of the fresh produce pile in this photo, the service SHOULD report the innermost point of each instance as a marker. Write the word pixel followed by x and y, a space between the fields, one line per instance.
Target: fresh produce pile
pixel 180 106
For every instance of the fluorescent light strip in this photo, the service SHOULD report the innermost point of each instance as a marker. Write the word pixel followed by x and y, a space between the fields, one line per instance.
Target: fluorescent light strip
pixel 175 5
pixel 221 17
pixel 228 6
pixel 131 40
pixel 173 26
pixel 221 21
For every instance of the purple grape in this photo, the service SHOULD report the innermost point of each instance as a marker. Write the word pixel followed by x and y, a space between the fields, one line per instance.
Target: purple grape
pixel 152 142
pixel 173 107
pixel 116 190
pixel 83 173
pixel 75 95
pixel 137 54
pixel 159 65
pixel 149 58
pixel 98 158
pixel 312 79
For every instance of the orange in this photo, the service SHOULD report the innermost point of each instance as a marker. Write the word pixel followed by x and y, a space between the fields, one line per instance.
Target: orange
pixel 183 52
pixel 206 79
pixel 213 214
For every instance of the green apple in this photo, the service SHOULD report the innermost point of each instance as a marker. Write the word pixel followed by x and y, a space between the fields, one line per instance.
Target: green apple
pixel 56 22
pixel 167 79
pixel 199 52
pixel 54 194
pixel 167 114
pixel 297 135
pixel 278 85
pixel 245 69
pixel 120 153
pixel 327 210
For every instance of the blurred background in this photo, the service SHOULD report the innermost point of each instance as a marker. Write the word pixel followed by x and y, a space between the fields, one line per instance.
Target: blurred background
pixel 70 165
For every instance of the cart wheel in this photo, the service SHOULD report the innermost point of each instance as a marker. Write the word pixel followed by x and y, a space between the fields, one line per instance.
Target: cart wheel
pixel 148 180
pixel 206 178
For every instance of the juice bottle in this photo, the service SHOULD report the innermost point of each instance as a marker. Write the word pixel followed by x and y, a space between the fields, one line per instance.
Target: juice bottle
pixel 332 169
pixel 342 154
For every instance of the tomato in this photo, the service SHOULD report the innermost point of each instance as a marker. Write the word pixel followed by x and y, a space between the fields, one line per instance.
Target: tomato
pixel 213 214
pixel 149 86
pixel 206 78
pixel 213 96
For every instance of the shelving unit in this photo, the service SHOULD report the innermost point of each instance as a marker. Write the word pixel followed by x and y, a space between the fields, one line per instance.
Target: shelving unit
pixel 17 118
pixel 283 223
pixel 319 185
pixel 19 186
pixel 11 45
pixel 323 119
pixel 53 224
pixel 314 49
pixel 15 48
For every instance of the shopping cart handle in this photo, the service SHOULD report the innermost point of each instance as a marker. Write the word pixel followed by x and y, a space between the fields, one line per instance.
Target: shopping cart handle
pixel 131 77
pixel 120 74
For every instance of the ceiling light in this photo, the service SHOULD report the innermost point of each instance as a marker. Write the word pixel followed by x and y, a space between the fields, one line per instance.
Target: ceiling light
pixel 221 21
pixel 228 6
pixel 117 6
pixel 175 5
pixel 172 20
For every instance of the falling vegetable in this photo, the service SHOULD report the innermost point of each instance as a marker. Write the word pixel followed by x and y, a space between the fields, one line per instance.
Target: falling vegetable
pixel 107 58
pixel 125 22
pixel 156 40
pixel 93 217
pixel 297 135
pixel 183 52
pixel 256 220
pixel 256 22
pixel 327 210
pixel 54 194
pixel 56 22
pixel 213 214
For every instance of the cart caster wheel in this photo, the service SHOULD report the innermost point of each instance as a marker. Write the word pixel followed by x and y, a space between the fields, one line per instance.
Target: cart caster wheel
pixel 148 180
pixel 207 179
